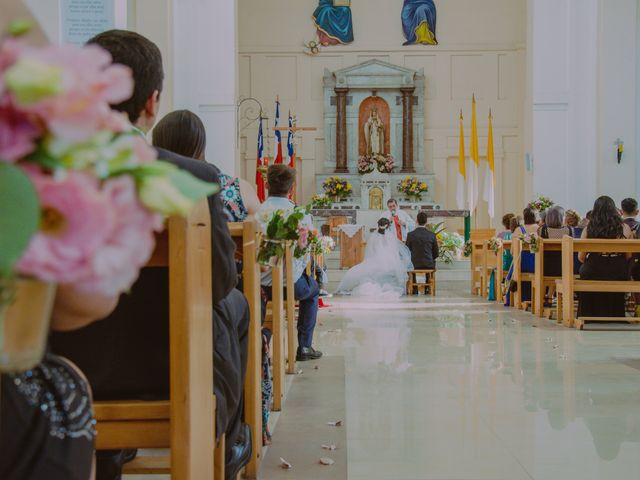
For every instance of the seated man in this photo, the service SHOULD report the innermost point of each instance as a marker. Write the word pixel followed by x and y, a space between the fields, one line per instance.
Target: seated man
pixel 423 245
pixel 126 355
pixel 280 181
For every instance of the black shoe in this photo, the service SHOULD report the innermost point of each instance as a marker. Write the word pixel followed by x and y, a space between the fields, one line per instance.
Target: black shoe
pixel 307 353
pixel 239 457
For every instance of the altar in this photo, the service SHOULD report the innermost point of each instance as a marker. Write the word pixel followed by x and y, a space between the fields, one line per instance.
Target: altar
pixel 374 132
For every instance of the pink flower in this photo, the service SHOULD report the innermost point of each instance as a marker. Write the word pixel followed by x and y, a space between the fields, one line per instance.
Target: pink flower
pixel 90 84
pixel 129 245
pixel 76 219
pixel 18 133
pixel 303 236
pixel 10 50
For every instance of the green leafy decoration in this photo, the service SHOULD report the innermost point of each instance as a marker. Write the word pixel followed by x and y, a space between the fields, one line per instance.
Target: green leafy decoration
pixel 19 215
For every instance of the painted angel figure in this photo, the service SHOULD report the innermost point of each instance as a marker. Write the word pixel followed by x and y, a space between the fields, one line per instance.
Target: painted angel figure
pixel 419 22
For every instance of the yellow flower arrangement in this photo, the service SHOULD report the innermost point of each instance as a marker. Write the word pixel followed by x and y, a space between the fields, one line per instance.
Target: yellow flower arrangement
pixel 412 187
pixel 337 187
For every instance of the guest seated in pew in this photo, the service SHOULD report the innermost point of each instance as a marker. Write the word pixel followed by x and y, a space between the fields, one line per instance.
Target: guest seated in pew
pixel 183 132
pixel 572 220
pixel 554 229
pixel 423 245
pixel 605 223
pixel 529 225
pixel 47 429
pixel 629 213
pixel 126 356
pixel 280 181
pixel 506 223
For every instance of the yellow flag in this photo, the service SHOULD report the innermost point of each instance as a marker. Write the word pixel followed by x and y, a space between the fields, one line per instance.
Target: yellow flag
pixel 462 170
pixel 472 177
pixel 490 179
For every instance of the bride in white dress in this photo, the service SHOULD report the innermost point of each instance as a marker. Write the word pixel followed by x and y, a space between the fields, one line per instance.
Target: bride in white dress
pixel 384 271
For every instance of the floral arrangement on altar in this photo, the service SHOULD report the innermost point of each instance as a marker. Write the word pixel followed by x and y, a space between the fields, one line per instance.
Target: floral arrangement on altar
pixel 450 244
pixel 337 187
pixel 369 163
pixel 280 227
pixel 321 201
pixel 532 240
pixel 81 191
pixel 541 203
pixel 467 249
pixel 412 187
pixel 495 244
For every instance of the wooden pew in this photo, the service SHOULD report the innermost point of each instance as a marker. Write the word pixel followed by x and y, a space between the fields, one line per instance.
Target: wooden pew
pixel 519 276
pixel 541 281
pixel 477 240
pixel 247 233
pixel 290 307
pixel 571 285
pixel 186 422
pixel 501 274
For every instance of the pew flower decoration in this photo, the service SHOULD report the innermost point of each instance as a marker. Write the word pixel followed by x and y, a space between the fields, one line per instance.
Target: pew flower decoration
pixel 495 244
pixel 412 187
pixel 320 245
pixel 280 227
pixel 532 240
pixel 450 246
pixel 337 187
pixel 467 249
pixel 541 203
pixel 321 201
pixel 81 192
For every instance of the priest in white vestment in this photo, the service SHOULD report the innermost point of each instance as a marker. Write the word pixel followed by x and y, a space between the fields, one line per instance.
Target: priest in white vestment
pixel 401 222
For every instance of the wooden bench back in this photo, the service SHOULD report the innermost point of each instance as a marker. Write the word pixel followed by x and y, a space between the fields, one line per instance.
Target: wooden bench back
pixel 246 234
pixel 480 234
pixel 544 245
pixel 290 308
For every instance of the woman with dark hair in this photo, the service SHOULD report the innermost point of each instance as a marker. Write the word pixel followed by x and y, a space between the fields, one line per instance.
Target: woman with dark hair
pixel 183 132
pixel 605 223
pixel 506 223
pixel 554 228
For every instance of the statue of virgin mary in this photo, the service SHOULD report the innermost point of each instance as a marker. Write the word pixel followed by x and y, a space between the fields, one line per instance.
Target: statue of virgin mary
pixel 334 24
pixel 419 22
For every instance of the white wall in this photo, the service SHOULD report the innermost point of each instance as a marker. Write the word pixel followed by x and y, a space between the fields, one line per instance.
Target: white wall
pixel 583 77
pixel 481 50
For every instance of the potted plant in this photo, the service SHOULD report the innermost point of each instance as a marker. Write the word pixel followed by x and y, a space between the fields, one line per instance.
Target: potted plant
pixel 337 188
pixel 81 192
pixel 413 188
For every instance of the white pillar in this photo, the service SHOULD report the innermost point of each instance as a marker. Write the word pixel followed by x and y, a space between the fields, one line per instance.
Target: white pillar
pixel 205 72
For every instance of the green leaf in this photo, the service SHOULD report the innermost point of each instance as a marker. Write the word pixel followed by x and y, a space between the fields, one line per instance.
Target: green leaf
pixel 19 215
pixel 18 28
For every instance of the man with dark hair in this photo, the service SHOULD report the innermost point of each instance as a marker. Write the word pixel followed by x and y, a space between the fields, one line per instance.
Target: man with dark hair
pixel 126 355
pixel 423 245
pixel 280 181
pixel 401 221
pixel 629 214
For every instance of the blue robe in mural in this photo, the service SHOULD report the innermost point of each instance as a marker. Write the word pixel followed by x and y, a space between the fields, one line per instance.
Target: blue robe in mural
pixel 419 22
pixel 334 23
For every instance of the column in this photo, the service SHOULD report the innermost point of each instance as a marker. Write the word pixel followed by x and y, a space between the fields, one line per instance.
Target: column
pixel 407 130
pixel 341 130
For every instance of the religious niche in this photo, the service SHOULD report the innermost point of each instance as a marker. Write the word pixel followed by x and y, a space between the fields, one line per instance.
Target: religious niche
pixel 419 22
pixel 374 121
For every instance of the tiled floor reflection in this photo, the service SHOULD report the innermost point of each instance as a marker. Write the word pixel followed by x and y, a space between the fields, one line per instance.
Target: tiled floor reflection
pixel 458 388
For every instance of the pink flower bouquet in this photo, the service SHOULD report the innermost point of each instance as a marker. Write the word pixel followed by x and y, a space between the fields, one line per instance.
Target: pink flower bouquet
pixel 81 192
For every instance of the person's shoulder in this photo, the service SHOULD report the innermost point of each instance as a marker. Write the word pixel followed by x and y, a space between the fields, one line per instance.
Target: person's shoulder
pixel 199 168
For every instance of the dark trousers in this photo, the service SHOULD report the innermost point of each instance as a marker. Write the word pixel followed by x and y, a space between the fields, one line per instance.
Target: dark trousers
pixel 306 291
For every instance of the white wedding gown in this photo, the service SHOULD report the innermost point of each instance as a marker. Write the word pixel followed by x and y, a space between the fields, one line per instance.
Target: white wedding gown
pixel 384 271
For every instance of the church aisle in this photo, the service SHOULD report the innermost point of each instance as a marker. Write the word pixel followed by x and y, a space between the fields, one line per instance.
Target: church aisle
pixel 459 388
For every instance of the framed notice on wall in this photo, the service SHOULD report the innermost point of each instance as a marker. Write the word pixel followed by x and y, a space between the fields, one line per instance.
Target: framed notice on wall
pixel 82 19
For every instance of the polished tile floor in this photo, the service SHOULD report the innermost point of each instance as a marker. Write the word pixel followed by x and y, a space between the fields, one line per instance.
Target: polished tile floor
pixel 456 388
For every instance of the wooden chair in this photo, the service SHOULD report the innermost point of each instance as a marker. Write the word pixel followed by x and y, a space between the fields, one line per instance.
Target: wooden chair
pixel 542 282
pixel 247 233
pixel 520 277
pixel 570 285
pixel 429 282
pixel 186 422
